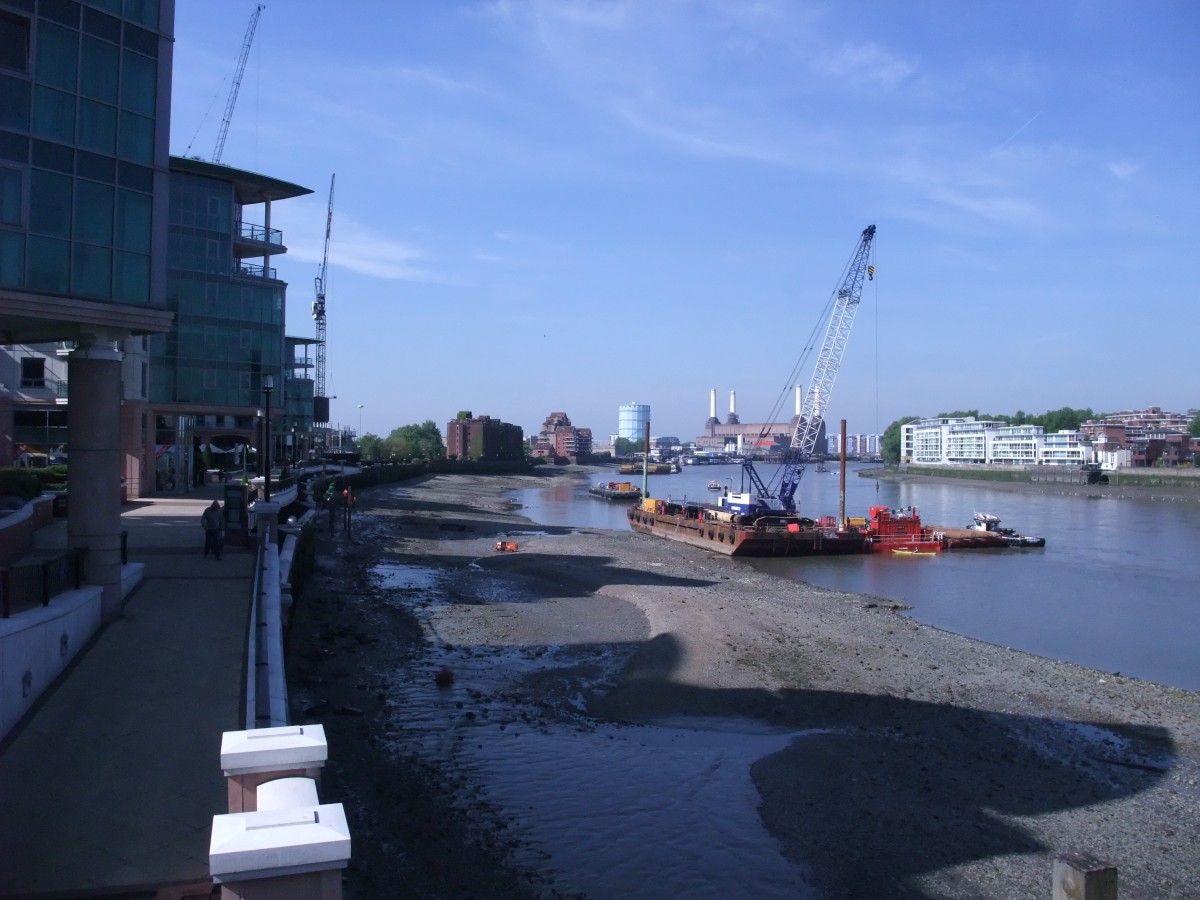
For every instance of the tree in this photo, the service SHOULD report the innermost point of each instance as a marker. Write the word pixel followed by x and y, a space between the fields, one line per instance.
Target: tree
pixel 372 446
pixel 422 441
pixel 1194 426
pixel 626 447
pixel 891 448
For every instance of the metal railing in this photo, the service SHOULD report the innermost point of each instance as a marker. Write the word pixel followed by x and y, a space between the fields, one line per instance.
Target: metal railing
pixel 30 584
pixel 254 270
pixel 261 234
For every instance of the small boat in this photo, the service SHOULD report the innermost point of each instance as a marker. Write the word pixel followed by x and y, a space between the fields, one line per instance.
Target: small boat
pixel 616 490
pixel 506 546
pixel 991 524
pixel 714 485
pixel 901 551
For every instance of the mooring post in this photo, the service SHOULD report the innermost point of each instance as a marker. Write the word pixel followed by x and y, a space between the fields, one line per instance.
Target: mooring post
pixel 1078 876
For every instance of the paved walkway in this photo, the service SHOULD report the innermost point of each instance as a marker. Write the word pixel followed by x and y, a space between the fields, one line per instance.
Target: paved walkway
pixel 113 782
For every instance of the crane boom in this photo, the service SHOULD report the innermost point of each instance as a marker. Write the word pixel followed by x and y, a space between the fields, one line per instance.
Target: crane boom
pixel 820 389
pixel 237 82
pixel 318 307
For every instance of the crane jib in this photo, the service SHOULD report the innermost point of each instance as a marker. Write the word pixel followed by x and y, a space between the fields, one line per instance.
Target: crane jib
pixel 812 413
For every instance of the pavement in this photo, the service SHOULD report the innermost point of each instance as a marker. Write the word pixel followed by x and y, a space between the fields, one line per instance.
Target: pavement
pixel 109 787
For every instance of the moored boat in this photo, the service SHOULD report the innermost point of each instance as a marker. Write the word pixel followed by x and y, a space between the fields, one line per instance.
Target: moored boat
pixel 901 531
pixel 615 490
pixel 990 524
pixel 714 485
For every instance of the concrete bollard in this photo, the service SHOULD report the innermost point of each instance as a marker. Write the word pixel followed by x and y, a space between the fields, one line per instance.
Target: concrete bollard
pixel 1078 876
pixel 253 758
pixel 296 853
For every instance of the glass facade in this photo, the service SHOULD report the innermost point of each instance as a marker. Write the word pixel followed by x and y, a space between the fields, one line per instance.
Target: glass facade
pixel 228 330
pixel 78 129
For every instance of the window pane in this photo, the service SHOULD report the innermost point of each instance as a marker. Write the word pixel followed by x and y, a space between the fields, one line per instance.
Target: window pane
pixel 100 66
pixel 10 196
pixel 97 127
pixel 14 42
pixel 12 258
pixel 65 11
pixel 53 114
pixel 92 271
pixel 49 204
pixel 137 83
pixel 133 221
pixel 14 146
pixel 93 212
pixel 57 56
pixel 131 278
pixel 97 23
pixel 14 111
pixel 136 138
pixel 55 157
pixel 144 12
pixel 112 6
pixel 141 40
pixel 49 262
pixel 97 168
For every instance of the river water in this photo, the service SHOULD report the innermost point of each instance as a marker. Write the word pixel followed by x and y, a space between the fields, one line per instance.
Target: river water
pixel 1117 586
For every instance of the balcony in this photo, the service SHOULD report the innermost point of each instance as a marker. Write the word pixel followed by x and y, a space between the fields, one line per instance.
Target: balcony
pixel 257 240
pixel 254 270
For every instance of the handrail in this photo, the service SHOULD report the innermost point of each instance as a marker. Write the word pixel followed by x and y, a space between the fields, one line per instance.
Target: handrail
pixel 260 234
pixel 254 270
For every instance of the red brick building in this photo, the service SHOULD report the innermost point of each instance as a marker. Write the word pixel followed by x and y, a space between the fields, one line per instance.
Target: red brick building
pixel 559 437
pixel 482 437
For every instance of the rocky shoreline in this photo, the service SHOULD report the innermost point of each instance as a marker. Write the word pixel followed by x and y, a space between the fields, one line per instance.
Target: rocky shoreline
pixel 920 763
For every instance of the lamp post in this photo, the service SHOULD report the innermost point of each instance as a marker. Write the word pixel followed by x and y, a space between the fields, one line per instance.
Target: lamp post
pixel 268 385
pixel 293 446
pixel 360 406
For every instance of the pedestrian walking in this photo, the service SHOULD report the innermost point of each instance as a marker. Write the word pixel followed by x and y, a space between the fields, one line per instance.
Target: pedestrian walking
pixel 214 529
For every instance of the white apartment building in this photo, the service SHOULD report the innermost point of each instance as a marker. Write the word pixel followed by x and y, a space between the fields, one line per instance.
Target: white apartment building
pixel 965 441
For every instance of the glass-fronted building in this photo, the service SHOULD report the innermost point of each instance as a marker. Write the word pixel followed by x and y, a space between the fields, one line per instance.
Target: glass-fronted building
pixel 208 373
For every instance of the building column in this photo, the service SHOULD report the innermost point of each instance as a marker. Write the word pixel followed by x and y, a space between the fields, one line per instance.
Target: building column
pixel 94 485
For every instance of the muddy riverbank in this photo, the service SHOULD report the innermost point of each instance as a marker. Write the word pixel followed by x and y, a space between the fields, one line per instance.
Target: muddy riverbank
pixel 604 714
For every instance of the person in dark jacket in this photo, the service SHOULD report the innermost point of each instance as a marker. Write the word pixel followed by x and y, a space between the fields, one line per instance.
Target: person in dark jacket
pixel 214 529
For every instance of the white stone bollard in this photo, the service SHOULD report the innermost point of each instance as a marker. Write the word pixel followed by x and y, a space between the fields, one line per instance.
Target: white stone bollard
pixel 260 755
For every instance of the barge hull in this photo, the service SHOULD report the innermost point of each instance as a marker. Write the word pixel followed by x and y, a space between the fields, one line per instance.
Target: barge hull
pixel 746 540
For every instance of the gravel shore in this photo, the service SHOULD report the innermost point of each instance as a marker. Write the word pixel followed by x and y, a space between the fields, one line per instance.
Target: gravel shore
pixel 921 763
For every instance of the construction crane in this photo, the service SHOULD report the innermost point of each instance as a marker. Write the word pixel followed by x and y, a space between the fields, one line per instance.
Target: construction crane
pixel 320 400
pixel 812 414
pixel 237 82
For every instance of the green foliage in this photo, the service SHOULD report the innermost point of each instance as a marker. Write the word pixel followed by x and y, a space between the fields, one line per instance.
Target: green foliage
pixel 1194 426
pixel 422 441
pixel 890 442
pixel 1065 419
pixel 21 483
pixel 372 446
pixel 464 414
pixel 626 447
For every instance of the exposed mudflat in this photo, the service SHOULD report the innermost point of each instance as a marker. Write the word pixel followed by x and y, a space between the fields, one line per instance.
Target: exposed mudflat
pixel 629 717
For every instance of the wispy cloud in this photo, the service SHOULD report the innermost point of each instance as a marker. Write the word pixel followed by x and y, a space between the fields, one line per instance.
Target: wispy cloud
pixel 1124 169
pixel 353 245
pixel 866 64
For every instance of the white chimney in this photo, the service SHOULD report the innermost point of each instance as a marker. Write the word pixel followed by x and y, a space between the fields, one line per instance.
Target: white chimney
pixel 712 404
pixel 798 401
pixel 733 403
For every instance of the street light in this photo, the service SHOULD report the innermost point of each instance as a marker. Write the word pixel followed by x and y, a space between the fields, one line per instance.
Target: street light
pixel 360 406
pixel 268 385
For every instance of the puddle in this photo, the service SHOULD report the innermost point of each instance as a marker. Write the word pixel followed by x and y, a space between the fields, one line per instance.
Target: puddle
pixel 406 578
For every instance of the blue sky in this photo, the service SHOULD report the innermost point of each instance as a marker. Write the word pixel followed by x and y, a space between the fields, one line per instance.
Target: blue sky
pixel 547 205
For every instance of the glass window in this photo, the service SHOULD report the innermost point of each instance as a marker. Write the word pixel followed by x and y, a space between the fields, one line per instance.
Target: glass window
pixel 53 114
pixel 33 371
pixel 10 196
pixel 93 212
pixel 133 221
pixel 137 83
pixel 49 204
pixel 49 263
pixel 14 111
pixel 92 271
pixel 141 40
pixel 65 11
pixel 144 12
pixel 55 157
pixel 137 177
pixel 97 127
pixel 112 6
pixel 57 56
pixel 13 146
pixel 14 42
pixel 12 258
pixel 97 168
pixel 131 278
pixel 136 138
pixel 97 23
pixel 99 70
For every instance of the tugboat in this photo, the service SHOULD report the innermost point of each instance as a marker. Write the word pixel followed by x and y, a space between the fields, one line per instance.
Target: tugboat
pixel 714 485
pixel 900 531
pixel 991 524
